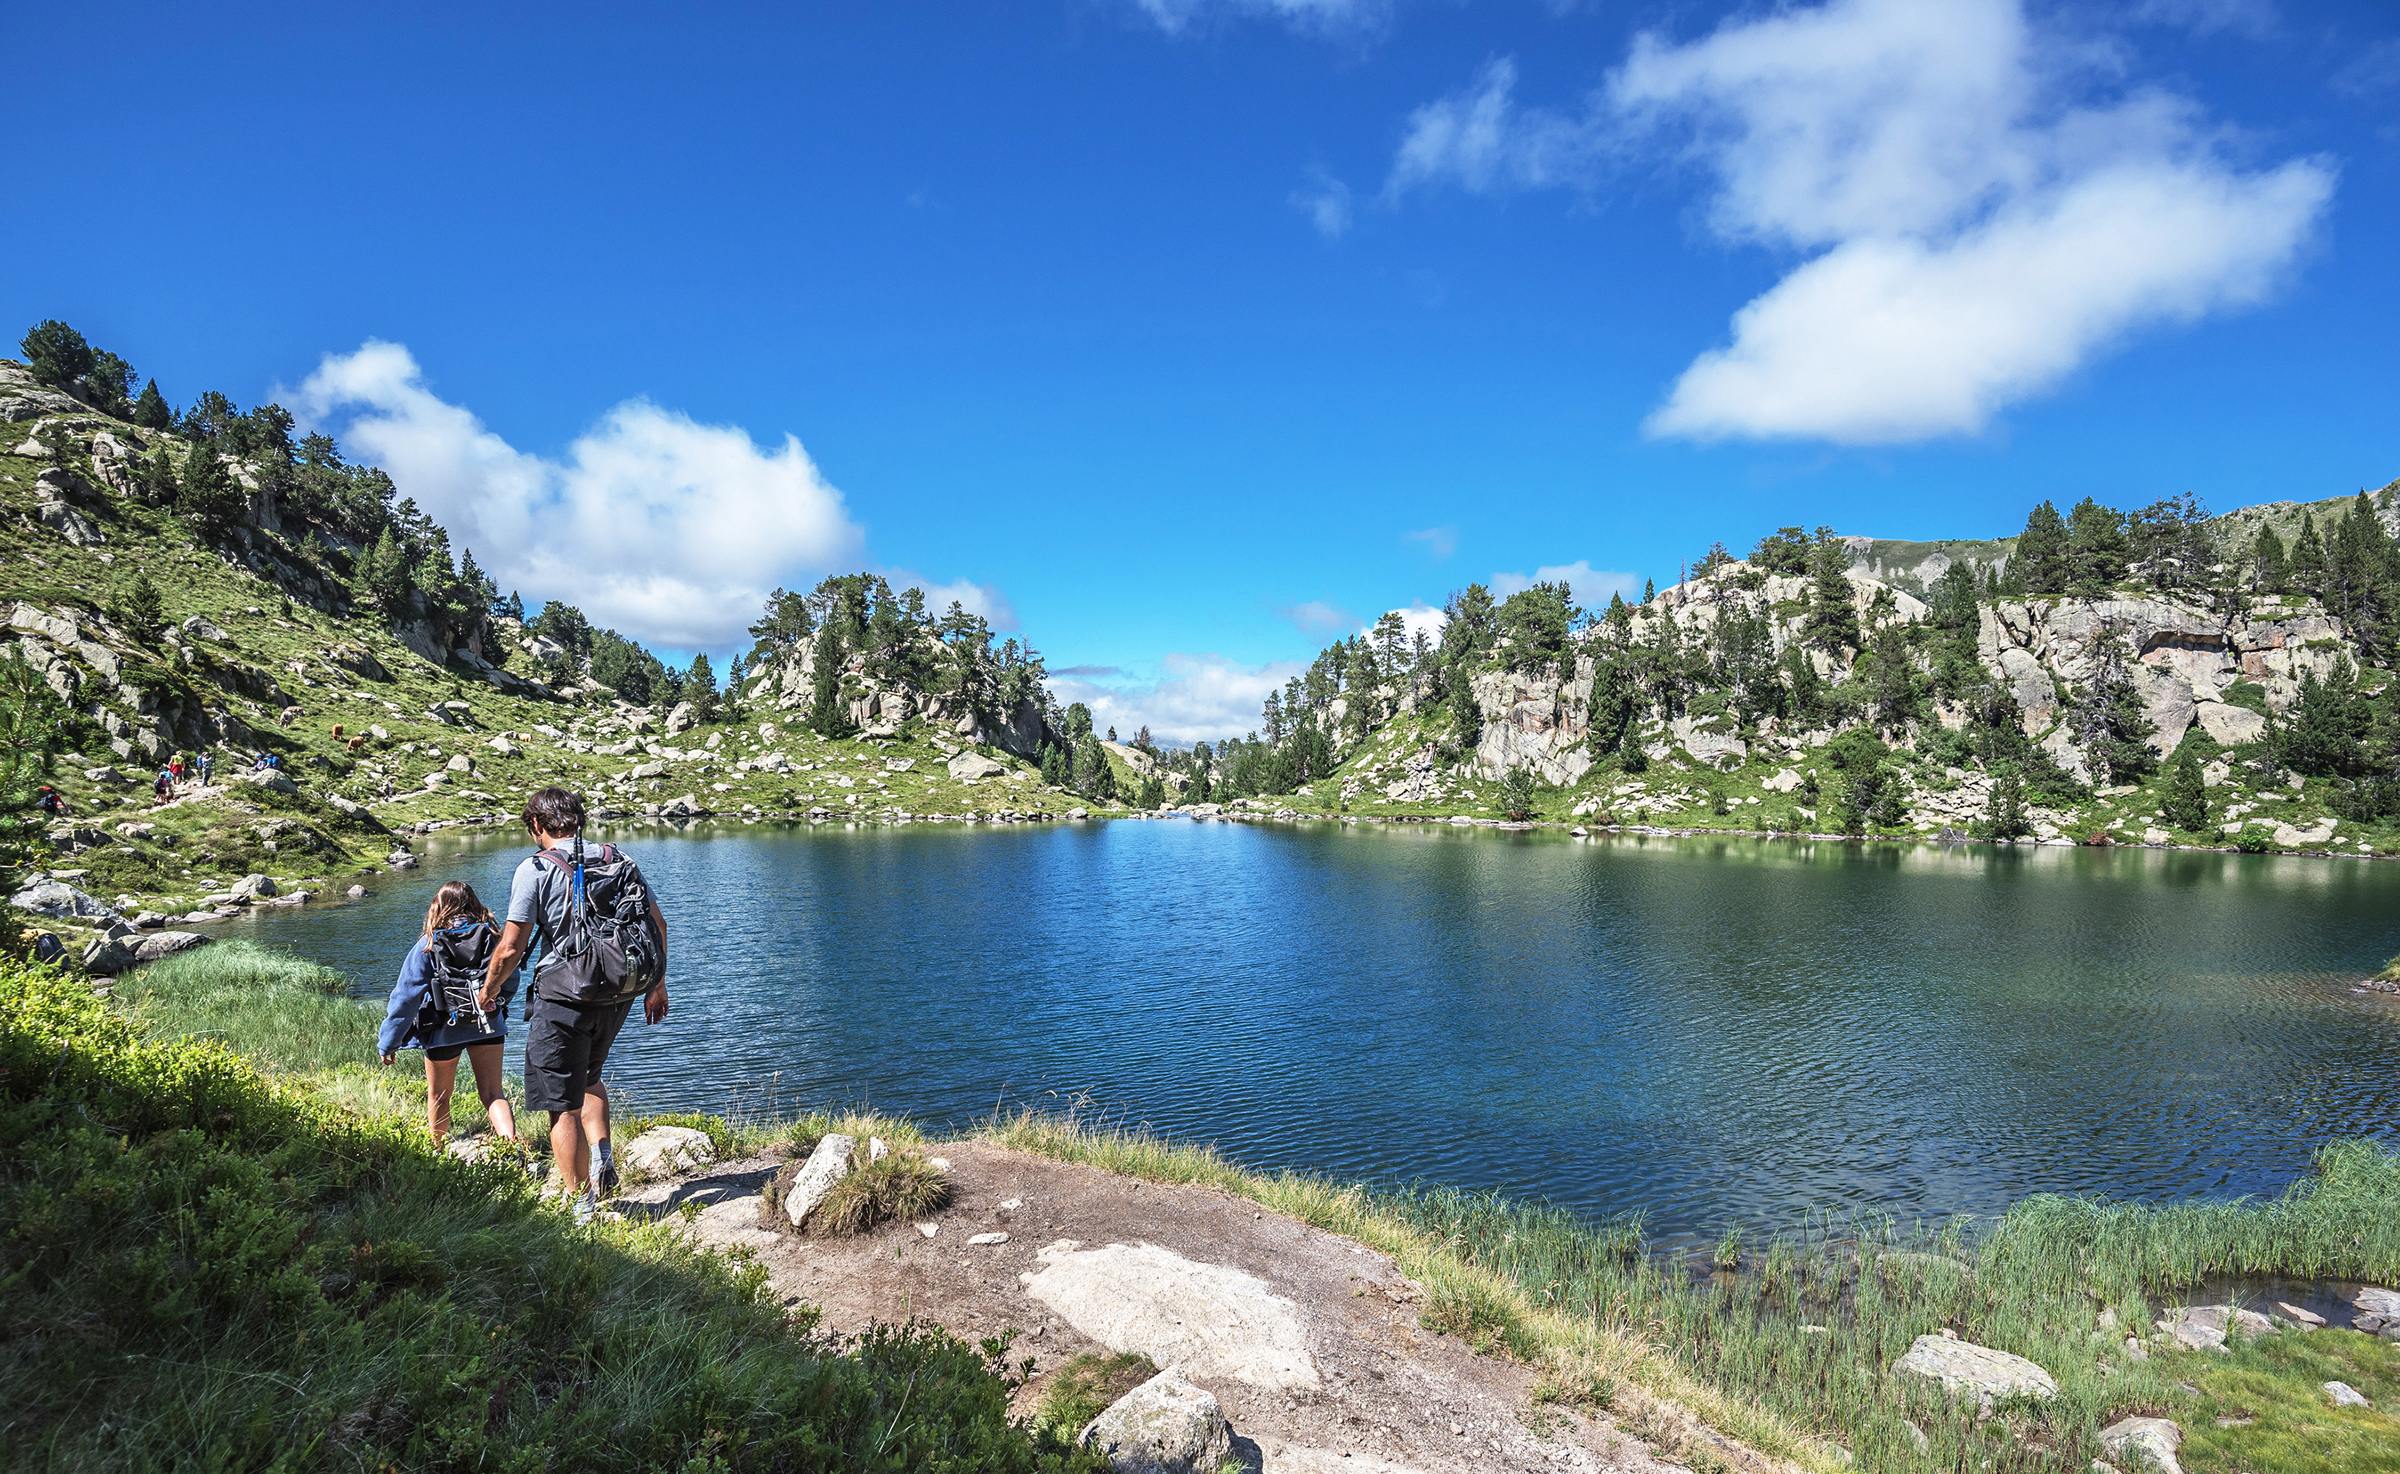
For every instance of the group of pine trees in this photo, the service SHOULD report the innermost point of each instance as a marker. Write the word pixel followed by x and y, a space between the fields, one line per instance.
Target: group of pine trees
pixel 858 630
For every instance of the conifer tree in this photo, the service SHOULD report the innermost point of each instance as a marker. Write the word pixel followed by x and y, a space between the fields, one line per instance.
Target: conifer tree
pixel 151 411
pixel 828 716
pixel 2097 551
pixel 1832 620
pixel 143 613
pixel 208 497
pixel 56 353
pixel 2040 564
pixel 2004 812
pixel 2184 805
pixel 383 573
pixel 2269 569
pixel 2308 558
pixel 700 689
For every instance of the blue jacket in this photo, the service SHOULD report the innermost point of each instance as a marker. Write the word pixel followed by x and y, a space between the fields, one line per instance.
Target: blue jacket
pixel 408 995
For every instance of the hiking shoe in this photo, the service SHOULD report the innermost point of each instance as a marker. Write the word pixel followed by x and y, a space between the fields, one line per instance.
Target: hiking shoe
pixel 586 1209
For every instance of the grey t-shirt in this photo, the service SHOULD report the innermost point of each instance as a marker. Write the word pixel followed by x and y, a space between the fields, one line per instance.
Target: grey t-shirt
pixel 542 893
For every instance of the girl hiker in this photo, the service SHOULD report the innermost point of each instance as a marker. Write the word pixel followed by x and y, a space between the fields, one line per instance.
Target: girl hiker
pixel 433 1007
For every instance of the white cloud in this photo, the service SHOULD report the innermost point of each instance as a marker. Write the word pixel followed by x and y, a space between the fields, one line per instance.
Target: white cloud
pixel 1591 586
pixel 976 598
pixel 1439 541
pixel 1326 203
pixel 1198 698
pixel 1422 616
pixel 1175 16
pixel 1317 617
pixel 1981 229
pixel 654 524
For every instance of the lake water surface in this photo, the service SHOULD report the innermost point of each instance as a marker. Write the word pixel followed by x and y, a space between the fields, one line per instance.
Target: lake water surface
pixel 1709 1031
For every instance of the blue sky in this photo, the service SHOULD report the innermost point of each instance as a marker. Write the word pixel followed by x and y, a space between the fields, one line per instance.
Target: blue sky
pixel 1178 334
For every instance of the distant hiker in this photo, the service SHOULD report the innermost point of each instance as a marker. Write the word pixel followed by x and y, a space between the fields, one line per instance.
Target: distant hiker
pixel 51 801
pixel 208 767
pixel 436 1006
pixel 603 944
pixel 175 769
pixel 165 784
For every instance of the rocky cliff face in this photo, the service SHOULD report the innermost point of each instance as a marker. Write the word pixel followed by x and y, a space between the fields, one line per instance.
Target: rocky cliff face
pixel 2185 660
pixel 878 707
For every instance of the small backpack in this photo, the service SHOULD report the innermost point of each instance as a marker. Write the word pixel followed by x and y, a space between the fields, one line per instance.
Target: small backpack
pixel 608 952
pixel 460 956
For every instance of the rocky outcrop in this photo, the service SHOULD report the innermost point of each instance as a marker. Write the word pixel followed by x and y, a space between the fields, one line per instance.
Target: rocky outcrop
pixel 1209 1319
pixel 878 708
pixel 1165 1426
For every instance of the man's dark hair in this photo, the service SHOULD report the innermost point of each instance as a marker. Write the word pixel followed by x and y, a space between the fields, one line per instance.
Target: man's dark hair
pixel 554 811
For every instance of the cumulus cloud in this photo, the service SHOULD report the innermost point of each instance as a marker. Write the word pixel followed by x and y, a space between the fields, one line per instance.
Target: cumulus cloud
pixel 1317 617
pixel 1326 203
pixel 1197 698
pixel 1977 224
pixel 1439 541
pixel 1591 586
pixel 1177 16
pixel 1422 616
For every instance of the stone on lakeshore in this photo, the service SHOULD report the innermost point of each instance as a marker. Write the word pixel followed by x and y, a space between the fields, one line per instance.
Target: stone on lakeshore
pixel 46 897
pixel 940 1164
pixel 1963 1366
pixel 686 807
pixel 982 1240
pixel 2304 1317
pixel 1209 1319
pixel 2292 837
pixel 254 886
pixel 2225 1320
pixel 106 957
pixel 1078 813
pixel 827 1165
pixel 167 944
pixel 663 1151
pixel 2345 1395
pixel 1165 1426
pixel 876 1150
pixel 149 921
pixel 2191 1335
pixel 2144 1440
pixel 970 767
pixel 2374 1301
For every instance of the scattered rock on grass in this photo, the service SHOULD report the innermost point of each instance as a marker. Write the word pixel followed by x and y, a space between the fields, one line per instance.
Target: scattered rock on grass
pixel 2345 1395
pixel 663 1151
pixel 46 897
pixel 2144 1440
pixel 1963 1366
pixel 827 1165
pixel 167 944
pixel 1165 1426
pixel 984 1239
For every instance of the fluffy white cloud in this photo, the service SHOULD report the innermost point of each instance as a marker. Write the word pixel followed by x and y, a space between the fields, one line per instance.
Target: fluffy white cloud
pixel 654 524
pixel 1422 616
pixel 1198 698
pixel 1591 586
pixel 1981 227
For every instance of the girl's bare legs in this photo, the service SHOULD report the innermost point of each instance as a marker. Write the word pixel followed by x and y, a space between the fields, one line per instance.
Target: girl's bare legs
pixel 486 1060
pixel 440 1076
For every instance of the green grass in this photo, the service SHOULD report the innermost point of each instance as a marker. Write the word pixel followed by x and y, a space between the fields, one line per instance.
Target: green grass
pixel 281 1012
pixel 2277 1384
pixel 1082 1389
pixel 210 1269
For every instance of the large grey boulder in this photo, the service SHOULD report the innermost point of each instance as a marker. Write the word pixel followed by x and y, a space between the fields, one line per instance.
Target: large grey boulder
pixel 968 767
pixel 1964 1367
pixel 2144 1441
pixel 1165 1426
pixel 199 628
pixel 70 524
pixel 827 1165
pixel 254 886
pixel 167 944
pixel 2345 1395
pixel 682 719
pixel 46 897
pixel 270 779
pixel 663 1151
pixel 2220 1321
pixel 106 957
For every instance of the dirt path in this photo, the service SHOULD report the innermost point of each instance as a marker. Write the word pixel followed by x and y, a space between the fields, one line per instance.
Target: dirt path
pixel 1386 1396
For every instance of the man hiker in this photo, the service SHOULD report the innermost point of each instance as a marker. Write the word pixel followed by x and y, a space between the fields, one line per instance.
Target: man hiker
pixel 591 969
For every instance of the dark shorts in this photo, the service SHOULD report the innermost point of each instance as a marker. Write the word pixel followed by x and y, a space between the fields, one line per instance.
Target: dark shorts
pixel 564 1050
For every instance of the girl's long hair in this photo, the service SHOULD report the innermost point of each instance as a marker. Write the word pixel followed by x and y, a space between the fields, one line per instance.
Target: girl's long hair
pixel 456 901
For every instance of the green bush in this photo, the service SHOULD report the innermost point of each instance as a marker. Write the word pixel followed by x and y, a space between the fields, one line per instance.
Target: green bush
pixel 208 1269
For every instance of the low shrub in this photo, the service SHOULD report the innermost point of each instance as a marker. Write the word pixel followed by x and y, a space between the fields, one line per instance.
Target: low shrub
pixel 1085 1387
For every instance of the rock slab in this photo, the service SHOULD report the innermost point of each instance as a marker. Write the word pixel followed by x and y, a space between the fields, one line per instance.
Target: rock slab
pixel 2345 1395
pixel 1209 1319
pixel 663 1151
pixel 827 1165
pixel 1165 1426
pixel 2140 1441
pixel 1963 1366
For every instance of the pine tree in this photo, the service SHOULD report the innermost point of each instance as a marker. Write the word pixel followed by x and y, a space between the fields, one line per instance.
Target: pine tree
pixel 143 613
pixel 159 485
pixel 208 496
pixel 2040 564
pixel 2270 570
pixel 700 689
pixel 2097 551
pixel 56 353
pixel 1832 620
pixel 2308 558
pixel 2004 812
pixel 151 411
pixel 2109 721
pixel 383 573
pixel 2184 805
pixel 828 715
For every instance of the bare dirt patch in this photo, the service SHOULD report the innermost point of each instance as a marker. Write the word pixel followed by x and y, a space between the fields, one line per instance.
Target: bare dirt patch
pixel 1389 1392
